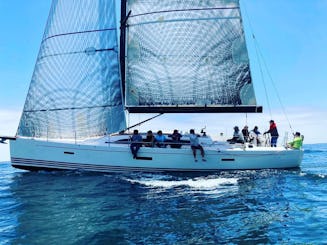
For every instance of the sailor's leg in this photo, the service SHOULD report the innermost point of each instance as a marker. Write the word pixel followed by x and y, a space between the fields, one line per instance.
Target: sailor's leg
pixel 202 151
pixel 194 151
pixel 133 150
pixel 274 141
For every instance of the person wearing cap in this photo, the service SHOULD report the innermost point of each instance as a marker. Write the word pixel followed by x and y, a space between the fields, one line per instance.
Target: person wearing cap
pixel 273 133
pixel 297 142
pixel 237 136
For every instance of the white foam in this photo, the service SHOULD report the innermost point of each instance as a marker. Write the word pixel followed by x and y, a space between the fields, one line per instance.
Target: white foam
pixel 198 183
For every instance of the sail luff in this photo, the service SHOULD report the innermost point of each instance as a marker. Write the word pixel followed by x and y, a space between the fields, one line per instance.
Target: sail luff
pixel 21 120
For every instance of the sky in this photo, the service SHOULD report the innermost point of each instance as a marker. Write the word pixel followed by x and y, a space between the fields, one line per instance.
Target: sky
pixel 290 34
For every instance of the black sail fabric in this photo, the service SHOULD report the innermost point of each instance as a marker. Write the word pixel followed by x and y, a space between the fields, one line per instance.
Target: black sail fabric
pixel 75 90
pixel 186 54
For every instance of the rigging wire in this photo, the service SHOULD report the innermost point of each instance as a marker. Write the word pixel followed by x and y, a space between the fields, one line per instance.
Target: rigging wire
pixel 257 51
pixel 140 123
pixel 276 91
pixel 260 58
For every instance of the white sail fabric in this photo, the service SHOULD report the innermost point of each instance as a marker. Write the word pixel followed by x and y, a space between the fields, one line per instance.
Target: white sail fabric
pixel 186 53
pixel 75 89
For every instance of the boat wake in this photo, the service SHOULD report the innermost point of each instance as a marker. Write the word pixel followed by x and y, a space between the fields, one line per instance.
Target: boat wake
pixel 216 186
pixel 199 183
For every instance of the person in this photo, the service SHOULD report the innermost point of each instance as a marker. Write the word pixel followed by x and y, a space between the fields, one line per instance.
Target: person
pixel 149 139
pixel 135 145
pixel 160 139
pixel 176 139
pixel 237 136
pixel 245 133
pixel 194 142
pixel 273 133
pixel 297 142
pixel 254 136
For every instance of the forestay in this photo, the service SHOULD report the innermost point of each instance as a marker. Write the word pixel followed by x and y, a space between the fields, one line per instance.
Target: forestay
pixel 187 56
pixel 75 89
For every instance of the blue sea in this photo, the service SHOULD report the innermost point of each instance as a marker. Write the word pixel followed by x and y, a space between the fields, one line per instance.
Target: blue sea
pixel 238 207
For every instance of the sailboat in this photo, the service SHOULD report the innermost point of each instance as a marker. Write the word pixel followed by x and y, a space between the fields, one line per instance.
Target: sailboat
pixel 102 59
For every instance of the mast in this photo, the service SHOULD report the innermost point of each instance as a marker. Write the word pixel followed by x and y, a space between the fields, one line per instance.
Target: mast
pixel 123 20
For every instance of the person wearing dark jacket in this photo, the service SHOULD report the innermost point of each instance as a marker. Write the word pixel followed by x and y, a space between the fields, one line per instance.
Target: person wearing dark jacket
pixel 246 134
pixel 176 139
pixel 273 133
pixel 135 143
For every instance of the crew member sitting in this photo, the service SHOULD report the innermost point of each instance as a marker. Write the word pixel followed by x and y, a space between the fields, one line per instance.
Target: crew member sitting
pixel 297 141
pixel 135 145
pixel 149 139
pixel 237 136
pixel 255 136
pixel 176 139
pixel 194 142
pixel 160 139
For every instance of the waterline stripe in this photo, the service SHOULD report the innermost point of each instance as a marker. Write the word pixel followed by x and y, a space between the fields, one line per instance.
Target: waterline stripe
pixel 94 167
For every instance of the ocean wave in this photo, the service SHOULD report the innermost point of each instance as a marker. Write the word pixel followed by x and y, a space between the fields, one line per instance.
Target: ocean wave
pixel 313 175
pixel 311 151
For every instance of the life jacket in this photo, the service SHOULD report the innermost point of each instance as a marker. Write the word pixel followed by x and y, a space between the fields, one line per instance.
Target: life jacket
pixel 273 130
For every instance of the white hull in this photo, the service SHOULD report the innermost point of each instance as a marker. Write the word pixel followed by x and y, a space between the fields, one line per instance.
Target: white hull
pixel 37 154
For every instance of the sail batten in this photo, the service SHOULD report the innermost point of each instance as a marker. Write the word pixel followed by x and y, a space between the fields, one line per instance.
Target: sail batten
pixel 187 53
pixel 184 20
pixel 78 32
pixel 182 10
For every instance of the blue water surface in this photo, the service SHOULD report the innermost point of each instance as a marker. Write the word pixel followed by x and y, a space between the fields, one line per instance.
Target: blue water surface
pixel 238 207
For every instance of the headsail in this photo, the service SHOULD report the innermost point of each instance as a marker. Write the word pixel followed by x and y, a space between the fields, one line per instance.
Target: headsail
pixel 75 89
pixel 187 56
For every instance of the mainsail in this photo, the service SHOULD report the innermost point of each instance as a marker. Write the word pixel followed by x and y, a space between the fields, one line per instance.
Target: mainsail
pixel 75 89
pixel 187 56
